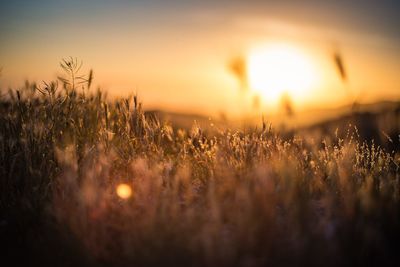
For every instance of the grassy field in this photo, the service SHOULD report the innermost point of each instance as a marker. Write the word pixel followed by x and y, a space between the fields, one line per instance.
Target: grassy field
pixel 230 198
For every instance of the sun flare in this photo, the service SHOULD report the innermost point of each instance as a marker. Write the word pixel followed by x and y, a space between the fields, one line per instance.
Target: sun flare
pixel 276 70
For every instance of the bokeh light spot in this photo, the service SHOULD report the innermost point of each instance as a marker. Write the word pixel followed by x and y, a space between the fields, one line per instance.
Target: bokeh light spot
pixel 124 191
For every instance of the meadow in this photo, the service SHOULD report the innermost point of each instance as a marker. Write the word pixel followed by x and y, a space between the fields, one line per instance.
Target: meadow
pixel 189 197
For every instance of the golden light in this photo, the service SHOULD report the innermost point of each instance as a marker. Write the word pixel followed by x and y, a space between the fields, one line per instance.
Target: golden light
pixel 124 191
pixel 277 69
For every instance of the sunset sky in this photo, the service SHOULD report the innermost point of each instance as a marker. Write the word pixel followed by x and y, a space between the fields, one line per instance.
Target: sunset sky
pixel 176 54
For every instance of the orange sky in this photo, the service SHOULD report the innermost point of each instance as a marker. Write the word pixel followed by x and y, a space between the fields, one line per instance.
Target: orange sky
pixel 181 64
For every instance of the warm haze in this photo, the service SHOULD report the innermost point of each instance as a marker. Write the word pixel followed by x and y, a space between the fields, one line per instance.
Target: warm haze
pixel 199 133
pixel 176 55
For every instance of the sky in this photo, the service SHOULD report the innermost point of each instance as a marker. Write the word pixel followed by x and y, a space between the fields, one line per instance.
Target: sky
pixel 175 54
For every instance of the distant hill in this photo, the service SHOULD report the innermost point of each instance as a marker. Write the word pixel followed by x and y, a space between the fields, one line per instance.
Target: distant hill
pixel 382 126
pixel 186 120
pixel 379 121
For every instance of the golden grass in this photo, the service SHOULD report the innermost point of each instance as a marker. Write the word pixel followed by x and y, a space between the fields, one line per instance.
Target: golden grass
pixel 229 199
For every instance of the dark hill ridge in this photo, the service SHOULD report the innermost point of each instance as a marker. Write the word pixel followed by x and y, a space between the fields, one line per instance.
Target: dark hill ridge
pixel 378 121
pixel 383 127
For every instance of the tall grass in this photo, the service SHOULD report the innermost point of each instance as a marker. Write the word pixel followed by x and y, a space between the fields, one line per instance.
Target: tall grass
pixel 228 199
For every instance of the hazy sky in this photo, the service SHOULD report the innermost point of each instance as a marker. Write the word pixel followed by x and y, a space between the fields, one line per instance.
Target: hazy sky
pixel 175 53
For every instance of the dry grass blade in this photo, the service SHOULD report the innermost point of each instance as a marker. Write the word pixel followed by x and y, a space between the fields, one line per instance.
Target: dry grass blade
pixel 340 66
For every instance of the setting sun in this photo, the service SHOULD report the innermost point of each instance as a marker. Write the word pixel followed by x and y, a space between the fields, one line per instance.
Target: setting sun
pixel 193 133
pixel 277 69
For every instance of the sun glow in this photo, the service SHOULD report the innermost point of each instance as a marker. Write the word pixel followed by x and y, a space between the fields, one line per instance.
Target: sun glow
pixel 276 70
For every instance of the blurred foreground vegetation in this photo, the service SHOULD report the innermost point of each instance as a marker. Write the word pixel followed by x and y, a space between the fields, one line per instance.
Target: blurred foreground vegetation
pixel 226 199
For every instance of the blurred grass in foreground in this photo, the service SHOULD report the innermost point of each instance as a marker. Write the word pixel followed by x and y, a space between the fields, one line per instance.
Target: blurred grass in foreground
pixel 189 198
